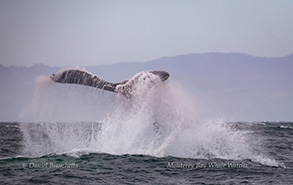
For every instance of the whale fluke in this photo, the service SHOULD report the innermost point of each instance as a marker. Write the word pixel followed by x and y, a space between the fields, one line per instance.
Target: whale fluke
pixel 78 76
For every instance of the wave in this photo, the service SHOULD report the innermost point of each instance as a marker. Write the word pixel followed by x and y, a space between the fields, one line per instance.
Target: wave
pixel 286 127
pixel 157 120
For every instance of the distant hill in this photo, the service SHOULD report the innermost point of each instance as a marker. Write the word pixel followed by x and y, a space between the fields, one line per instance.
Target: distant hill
pixel 233 86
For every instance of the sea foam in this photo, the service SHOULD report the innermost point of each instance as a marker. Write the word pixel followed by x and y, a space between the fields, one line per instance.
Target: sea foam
pixel 159 119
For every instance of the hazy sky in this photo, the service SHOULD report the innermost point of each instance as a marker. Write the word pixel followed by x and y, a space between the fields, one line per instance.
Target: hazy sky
pixel 84 32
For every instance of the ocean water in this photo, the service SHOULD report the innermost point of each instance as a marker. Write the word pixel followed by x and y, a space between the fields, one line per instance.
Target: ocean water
pixel 272 163
pixel 79 135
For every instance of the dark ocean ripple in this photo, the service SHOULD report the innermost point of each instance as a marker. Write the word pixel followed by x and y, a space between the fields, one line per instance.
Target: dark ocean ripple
pixel 100 168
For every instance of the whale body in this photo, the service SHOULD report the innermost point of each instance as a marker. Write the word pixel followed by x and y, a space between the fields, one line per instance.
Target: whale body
pixel 82 77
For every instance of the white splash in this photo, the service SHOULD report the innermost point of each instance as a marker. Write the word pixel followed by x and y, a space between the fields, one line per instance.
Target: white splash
pixel 158 120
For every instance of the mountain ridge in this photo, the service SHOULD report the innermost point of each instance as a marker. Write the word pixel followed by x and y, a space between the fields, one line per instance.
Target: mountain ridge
pixel 289 56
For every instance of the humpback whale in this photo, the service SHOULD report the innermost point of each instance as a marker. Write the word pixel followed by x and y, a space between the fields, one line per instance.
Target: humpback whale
pixel 82 77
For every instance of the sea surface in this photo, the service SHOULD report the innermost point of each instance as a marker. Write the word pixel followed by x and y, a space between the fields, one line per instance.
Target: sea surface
pixel 28 155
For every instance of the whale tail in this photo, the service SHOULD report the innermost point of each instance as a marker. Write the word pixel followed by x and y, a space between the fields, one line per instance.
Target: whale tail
pixel 81 77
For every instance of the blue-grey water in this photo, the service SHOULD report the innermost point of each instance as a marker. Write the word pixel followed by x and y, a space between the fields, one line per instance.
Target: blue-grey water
pixel 80 166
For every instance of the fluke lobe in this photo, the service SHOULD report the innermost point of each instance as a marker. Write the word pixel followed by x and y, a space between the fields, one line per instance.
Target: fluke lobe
pixel 82 77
